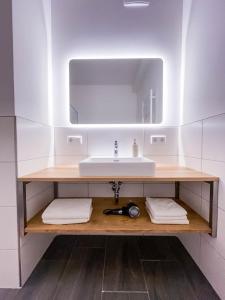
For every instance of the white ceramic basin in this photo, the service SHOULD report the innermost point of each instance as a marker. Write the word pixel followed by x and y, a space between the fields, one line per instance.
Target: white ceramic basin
pixel 121 166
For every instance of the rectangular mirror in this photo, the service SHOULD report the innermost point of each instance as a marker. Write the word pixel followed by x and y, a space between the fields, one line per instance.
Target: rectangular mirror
pixel 116 91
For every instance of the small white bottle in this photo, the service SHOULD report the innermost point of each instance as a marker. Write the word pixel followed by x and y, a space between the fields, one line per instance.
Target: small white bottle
pixel 135 149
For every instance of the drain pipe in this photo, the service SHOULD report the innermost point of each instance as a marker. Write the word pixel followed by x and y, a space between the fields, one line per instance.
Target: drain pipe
pixel 116 189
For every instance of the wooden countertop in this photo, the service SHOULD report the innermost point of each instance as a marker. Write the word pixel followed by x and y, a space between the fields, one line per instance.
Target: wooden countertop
pixel 119 225
pixel 164 173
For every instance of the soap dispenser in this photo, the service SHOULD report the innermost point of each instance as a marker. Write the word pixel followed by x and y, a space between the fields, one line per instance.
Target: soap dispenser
pixel 135 149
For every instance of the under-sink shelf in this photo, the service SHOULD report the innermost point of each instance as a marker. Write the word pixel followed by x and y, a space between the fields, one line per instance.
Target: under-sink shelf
pixel 101 224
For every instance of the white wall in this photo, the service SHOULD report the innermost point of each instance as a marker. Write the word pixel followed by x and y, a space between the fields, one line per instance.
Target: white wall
pixel 32 104
pixel 100 142
pixel 6 60
pixel 30 61
pixel 100 28
pixel 104 104
pixel 9 258
pixel 203 131
pixel 204 70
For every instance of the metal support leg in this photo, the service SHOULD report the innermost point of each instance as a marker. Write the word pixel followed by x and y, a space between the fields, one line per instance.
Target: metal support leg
pixel 177 190
pixel 213 211
pixel 22 206
pixel 56 190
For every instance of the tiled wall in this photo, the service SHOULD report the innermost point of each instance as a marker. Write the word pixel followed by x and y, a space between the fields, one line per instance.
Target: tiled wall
pixel 99 142
pixel 204 150
pixel 202 134
pixel 33 110
pixel 9 260
pixel 35 152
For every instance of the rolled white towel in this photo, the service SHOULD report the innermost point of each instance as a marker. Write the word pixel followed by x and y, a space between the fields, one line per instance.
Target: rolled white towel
pixel 165 207
pixel 171 221
pixel 73 208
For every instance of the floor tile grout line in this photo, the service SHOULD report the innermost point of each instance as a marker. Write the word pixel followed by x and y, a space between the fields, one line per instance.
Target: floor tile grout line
pixel 103 271
pixel 145 281
pixel 125 292
pixel 156 260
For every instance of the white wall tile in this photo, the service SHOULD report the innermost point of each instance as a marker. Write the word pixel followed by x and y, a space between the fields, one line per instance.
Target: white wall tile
pixel 73 190
pixel 205 209
pixel 105 190
pixel 131 190
pixel 164 159
pixel 7 184
pixel 213 138
pixel 68 160
pixel 34 140
pixel 159 190
pixel 191 140
pixel 193 200
pixel 191 162
pixel 7 139
pixel 192 243
pixel 101 141
pixel 217 169
pixel 30 166
pixel 205 191
pixel 9 275
pixel 194 187
pixel 36 203
pixel 63 148
pixel 169 148
pixel 35 188
pixel 213 267
pixel 31 253
pixel 100 190
pixel 219 242
pixel 8 228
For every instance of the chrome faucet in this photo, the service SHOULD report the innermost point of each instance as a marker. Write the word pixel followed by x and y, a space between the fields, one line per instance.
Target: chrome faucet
pixel 116 150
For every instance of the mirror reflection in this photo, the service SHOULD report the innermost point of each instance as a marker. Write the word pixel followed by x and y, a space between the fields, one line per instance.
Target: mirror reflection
pixel 116 91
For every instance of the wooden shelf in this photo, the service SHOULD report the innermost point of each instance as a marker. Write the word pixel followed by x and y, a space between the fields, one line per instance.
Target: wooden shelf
pixel 164 173
pixel 101 224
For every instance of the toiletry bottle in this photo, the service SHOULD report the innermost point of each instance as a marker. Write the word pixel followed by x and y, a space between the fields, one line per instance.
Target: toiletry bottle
pixel 135 149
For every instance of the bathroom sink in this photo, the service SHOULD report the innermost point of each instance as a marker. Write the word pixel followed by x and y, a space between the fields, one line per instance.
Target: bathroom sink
pixel 121 166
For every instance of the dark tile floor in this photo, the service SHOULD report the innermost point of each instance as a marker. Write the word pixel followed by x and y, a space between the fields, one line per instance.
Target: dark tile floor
pixel 114 268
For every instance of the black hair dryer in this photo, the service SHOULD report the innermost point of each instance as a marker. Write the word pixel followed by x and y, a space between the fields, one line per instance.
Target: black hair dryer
pixel 131 210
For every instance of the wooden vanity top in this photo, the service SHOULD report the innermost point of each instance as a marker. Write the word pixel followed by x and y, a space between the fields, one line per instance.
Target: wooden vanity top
pixel 164 173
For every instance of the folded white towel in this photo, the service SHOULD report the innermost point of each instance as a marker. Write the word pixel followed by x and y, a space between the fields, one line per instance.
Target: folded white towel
pixel 66 221
pixel 163 217
pixel 165 207
pixel 172 221
pixel 68 209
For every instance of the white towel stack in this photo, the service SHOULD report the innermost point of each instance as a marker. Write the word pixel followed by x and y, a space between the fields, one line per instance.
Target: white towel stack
pixel 68 211
pixel 166 211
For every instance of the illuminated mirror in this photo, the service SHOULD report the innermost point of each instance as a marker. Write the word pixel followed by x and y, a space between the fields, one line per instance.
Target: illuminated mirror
pixel 116 91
